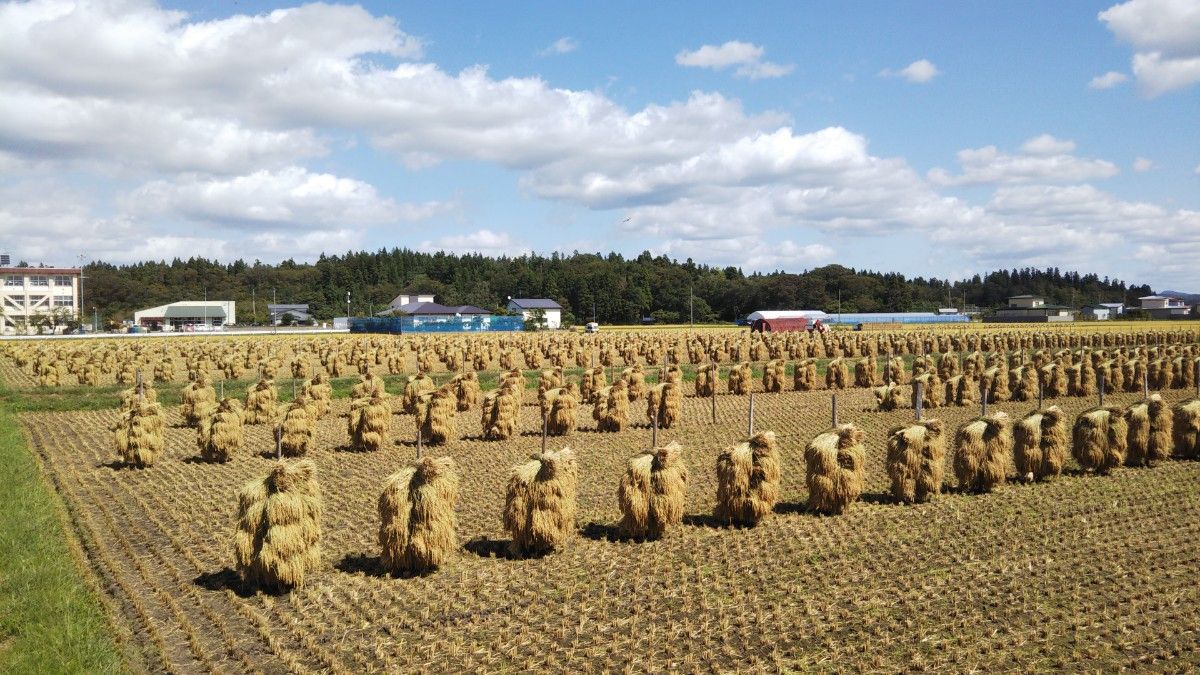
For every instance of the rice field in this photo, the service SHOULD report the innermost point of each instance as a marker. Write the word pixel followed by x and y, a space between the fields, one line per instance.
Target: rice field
pixel 1083 572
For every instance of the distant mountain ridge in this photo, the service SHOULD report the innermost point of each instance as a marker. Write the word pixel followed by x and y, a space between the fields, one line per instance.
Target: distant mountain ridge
pixel 1190 298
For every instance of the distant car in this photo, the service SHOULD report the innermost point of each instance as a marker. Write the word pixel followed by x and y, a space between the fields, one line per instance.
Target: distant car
pixel 742 322
pixel 591 327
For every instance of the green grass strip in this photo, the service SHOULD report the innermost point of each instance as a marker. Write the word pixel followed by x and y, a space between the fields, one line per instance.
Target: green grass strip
pixel 50 621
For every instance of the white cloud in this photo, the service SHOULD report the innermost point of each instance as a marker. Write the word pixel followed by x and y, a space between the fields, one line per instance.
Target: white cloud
pixel 1158 74
pixel 745 55
pixel 483 241
pixel 917 72
pixel 1165 35
pixel 215 120
pixel 1197 170
pixel 750 253
pixel 1043 159
pixel 291 197
pixel 1142 165
pixel 1045 144
pixel 1108 80
pixel 563 45
pixel 49 127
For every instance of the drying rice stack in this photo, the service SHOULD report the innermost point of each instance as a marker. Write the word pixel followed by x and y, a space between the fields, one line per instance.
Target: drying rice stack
pixel 499 413
pixel 1053 379
pixel 89 375
pixel 1086 380
pixel 559 409
pixel 1100 439
pixel 417 524
pixel 611 408
pixel 319 395
pixel 295 429
pixel 1149 432
pixel 916 460
pixel 922 365
pixel 706 380
pixel 983 450
pixel 467 390
pixel 893 370
pixel 599 378
pixel 221 435
pixel 948 366
pixel 805 376
pixel 932 389
pixel 370 422
pixel 549 379
pixel 773 375
pixel 417 386
pixel 367 386
pixel 198 392
pixel 1040 443
pixel 139 434
pixel 865 374
pixel 888 397
pixel 664 402
pixel 261 403
pixel 960 390
pixel 278 538
pixel 300 368
pixel 164 370
pixel 748 480
pixel 539 508
pixel 1186 429
pixel 635 382
pixel 652 492
pixel 1023 383
pixel 739 379
pixel 836 375
pixel 435 416
pixel 131 397
pixel 996 381
pixel 835 469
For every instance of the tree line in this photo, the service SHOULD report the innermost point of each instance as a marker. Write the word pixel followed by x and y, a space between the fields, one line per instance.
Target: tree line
pixel 611 288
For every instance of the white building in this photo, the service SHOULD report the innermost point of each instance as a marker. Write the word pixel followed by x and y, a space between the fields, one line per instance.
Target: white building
pixel 552 310
pixel 1163 307
pixel 1095 312
pixel 402 300
pixel 187 315
pixel 31 296
pixel 1114 308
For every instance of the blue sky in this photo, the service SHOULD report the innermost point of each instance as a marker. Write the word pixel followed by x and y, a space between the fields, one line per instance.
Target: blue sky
pixel 928 138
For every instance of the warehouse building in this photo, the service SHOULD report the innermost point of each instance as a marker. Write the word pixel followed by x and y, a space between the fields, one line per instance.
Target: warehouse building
pixel 187 316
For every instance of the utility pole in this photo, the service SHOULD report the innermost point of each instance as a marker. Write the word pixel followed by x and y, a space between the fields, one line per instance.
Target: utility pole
pixel 347 309
pixel 274 323
pixel 206 308
pixel 253 304
pixel 79 300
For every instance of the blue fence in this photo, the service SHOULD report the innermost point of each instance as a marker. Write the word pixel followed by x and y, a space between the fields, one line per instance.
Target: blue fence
pixel 439 324
pixel 897 317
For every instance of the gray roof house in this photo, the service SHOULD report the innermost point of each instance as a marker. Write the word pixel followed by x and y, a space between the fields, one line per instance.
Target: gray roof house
pixel 299 313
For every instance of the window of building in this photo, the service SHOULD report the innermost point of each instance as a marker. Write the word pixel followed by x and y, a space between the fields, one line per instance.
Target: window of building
pixel 64 301
pixel 39 281
pixel 31 300
pixel 62 280
pixel 14 280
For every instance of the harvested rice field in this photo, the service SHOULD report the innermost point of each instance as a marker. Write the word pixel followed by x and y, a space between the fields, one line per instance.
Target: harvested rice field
pixel 1081 572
